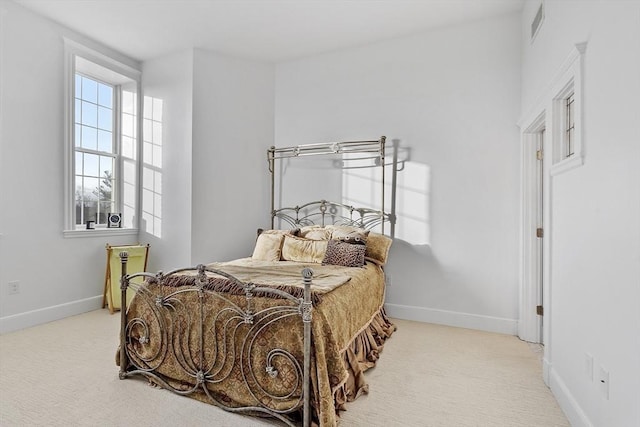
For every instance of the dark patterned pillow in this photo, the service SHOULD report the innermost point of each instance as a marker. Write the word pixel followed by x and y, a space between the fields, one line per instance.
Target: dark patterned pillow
pixel 344 254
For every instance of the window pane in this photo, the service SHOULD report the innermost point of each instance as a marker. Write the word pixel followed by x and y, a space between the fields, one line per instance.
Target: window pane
pixel 106 190
pixel 89 137
pixel 90 210
pixel 91 191
pixel 127 147
pixel 105 142
pixel 127 102
pixel 89 114
pixel 104 118
pixel 105 95
pixel 127 125
pixel 106 167
pixel 77 137
pixel 105 209
pixel 91 166
pixel 78 88
pixel 78 206
pixel 78 111
pixel 78 163
pixel 89 90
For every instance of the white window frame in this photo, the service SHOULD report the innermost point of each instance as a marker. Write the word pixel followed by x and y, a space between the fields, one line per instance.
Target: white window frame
pixel 74 49
pixel 568 82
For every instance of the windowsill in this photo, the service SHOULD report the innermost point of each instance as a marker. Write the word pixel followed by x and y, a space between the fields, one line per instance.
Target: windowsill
pixel 100 232
pixel 567 164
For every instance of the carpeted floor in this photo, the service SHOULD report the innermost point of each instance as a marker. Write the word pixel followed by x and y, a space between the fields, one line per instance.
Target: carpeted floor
pixel 64 374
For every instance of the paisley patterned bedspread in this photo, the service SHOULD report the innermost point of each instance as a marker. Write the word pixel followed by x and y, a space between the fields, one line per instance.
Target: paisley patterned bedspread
pixel 215 347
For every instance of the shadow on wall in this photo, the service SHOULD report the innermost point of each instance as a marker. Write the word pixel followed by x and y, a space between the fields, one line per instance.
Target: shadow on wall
pixel 413 267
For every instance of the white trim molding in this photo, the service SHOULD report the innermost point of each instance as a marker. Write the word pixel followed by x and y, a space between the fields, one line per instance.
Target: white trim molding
pixel 529 324
pixel 568 80
pixel 80 57
pixel 573 411
pixel 545 113
pixel 453 318
pixel 101 232
pixel 48 314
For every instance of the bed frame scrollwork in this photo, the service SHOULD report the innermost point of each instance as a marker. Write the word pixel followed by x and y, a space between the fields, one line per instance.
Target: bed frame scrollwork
pixel 213 367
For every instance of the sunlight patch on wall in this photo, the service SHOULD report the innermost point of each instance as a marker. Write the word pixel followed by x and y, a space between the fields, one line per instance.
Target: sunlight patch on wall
pixel 412 204
pixel 152 166
pixel 129 155
pixel 361 187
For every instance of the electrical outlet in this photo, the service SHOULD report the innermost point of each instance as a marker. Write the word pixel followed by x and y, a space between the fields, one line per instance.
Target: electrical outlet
pixel 387 279
pixel 603 382
pixel 588 366
pixel 14 287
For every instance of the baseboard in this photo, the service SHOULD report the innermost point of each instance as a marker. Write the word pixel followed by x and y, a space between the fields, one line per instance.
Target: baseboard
pixel 48 314
pixel 573 411
pixel 453 318
pixel 546 372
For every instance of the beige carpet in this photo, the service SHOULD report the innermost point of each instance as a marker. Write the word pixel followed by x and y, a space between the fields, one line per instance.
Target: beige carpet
pixel 63 374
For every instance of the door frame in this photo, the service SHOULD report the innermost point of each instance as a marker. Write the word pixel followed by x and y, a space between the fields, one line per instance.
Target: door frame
pixel 533 280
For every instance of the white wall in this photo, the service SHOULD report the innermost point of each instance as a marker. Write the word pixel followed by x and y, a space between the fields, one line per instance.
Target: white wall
pixel 58 277
pixel 595 210
pixel 169 80
pixel 452 97
pixel 233 116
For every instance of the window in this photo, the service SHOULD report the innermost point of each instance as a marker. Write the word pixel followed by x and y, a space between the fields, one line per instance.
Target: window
pixel 566 110
pixel 95 154
pixel 102 135
pixel 570 126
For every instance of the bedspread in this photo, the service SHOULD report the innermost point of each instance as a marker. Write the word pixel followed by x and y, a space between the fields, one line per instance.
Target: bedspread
pixel 162 322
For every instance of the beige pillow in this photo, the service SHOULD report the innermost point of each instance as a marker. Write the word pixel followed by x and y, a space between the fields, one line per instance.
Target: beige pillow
pixel 315 232
pixel 268 247
pixel 378 248
pixel 303 250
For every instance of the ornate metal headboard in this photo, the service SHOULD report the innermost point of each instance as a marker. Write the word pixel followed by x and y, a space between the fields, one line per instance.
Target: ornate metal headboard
pixel 325 212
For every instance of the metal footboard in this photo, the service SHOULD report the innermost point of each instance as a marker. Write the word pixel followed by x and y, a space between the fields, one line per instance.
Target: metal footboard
pixel 170 334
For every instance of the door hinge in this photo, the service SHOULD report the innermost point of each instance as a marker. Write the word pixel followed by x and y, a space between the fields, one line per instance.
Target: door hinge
pixel 540 232
pixel 539 310
pixel 539 154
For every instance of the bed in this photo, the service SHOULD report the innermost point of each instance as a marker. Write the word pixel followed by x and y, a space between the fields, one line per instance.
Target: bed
pixel 285 333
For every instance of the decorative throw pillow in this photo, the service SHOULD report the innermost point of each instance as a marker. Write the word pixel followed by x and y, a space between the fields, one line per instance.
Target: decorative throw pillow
pixel 303 250
pixel 268 247
pixel 344 254
pixel 349 234
pixel 378 248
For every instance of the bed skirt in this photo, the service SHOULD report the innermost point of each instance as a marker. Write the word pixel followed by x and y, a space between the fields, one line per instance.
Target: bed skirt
pixel 360 355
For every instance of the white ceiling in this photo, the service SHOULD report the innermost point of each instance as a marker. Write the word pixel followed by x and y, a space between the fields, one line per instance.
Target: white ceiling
pixel 268 30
